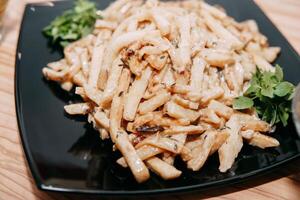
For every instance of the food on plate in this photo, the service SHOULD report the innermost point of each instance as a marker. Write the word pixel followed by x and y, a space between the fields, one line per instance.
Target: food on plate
pixel 174 78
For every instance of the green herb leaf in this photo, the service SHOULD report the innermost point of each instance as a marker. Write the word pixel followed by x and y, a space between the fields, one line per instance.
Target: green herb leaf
pixel 283 88
pixel 72 24
pixel 269 95
pixel 267 92
pixel 242 102
pixel 278 73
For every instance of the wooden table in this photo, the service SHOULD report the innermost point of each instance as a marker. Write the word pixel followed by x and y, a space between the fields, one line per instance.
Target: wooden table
pixel 15 179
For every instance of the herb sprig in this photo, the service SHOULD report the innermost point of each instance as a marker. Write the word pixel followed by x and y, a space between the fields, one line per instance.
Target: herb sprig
pixel 270 95
pixel 72 24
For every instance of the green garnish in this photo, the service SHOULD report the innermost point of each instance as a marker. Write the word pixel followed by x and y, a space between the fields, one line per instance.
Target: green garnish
pixel 72 24
pixel 270 95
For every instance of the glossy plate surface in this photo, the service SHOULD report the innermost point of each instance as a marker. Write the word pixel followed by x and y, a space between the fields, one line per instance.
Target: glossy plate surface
pixel 66 154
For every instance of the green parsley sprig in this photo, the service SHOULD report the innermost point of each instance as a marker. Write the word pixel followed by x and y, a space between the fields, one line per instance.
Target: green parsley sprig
pixel 270 95
pixel 72 24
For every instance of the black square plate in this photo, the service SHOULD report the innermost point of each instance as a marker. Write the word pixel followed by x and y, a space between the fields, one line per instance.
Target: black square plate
pixel 66 154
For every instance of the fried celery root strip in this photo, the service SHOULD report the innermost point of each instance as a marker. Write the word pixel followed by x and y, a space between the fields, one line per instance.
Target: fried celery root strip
pixel 144 152
pixel 201 152
pixel 135 94
pixel 77 109
pixel 260 140
pixel 232 146
pixel 136 165
pixel 162 168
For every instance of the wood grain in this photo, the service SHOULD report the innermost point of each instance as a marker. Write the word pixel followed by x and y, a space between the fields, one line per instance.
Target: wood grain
pixel 16 182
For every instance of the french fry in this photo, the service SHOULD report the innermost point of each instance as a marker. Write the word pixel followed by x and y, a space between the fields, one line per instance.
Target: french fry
pixel 262 63
pixel 220 109
pixel 93 94
pixel 221 137
pixel 211 94
pixel 233 145
pixel 138 168
pixel 144 152
pixel 102 119
pixel 67 86
pixel 173 144
pixel 209 116
pixel 77 109
pixel 168 78
pixel 271 53
pixel 197 71
pixel 185 103
pixel 191 129
pixel 142 119
pixel 217 58
pixel 185 40
pixel 80 91
pixel 53 75
pixel 249 122
pixel 180 89
pixel 115 117
pixel 262 141
pixel 163 169
pixel 112 82
pixel 124 81
pixel 200 153
pixel 104 134
pixel 178 112
pixel 135 95
pixel 155 102
pixel 157 62
pixel 160 120
pixel 95 67
pixel 79 79
pixel 168 158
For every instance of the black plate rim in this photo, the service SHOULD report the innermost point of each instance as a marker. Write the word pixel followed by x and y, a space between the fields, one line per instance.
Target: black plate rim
pixel 181 189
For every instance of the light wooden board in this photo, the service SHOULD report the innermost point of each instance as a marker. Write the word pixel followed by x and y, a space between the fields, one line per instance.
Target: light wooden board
pixel 16 182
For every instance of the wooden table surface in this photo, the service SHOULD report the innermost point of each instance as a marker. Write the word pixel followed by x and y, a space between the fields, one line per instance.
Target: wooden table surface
pixel 15 179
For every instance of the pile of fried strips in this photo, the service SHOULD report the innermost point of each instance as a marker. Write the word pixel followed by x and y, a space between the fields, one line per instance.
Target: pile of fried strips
pixel 159 79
